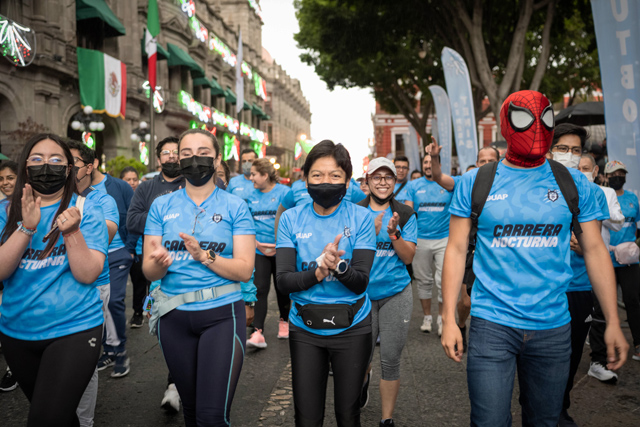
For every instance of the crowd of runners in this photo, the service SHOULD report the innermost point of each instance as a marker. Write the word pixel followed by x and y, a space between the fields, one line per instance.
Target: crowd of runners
pixel 523 251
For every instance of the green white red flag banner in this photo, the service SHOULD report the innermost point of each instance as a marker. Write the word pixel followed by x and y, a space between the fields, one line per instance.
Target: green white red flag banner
pixel 150 42
pixel 103 82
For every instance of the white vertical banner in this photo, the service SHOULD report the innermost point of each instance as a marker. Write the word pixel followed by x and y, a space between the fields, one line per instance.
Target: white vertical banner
pixel 412 150
pixel 239 79
pixel 442 127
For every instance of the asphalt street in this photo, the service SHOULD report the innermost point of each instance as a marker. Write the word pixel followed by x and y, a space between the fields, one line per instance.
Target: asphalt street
pixel 433 388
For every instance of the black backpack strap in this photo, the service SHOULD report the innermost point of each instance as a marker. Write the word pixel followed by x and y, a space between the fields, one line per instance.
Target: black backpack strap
pixel 400 188
pixel 569 192
pixel 404 212
pixel 479 193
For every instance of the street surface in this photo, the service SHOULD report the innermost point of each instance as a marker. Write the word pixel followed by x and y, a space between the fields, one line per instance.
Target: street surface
pixel 433 390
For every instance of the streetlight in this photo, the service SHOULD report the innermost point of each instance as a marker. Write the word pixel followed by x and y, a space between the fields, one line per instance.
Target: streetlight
pixel 85 121
pixel 142 136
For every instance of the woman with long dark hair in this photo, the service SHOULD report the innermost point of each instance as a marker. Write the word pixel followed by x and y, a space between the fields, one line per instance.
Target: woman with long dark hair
pixel 51 323
pixel 324 253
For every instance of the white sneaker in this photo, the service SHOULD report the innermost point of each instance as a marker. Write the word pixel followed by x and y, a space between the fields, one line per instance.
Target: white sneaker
pixel 426 324
pixel 171 399
pixel 439 321
pixel 600 372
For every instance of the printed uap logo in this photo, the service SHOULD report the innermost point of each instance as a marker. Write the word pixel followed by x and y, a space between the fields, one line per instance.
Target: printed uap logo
pixel 552 195
pixel 217 218
pixel 114 85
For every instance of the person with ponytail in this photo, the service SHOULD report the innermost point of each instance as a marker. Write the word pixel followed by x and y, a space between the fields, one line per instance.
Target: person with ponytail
pixel 199 241
pixel 52 253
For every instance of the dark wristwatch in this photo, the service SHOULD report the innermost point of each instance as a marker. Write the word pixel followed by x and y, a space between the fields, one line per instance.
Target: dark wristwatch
pixel 395 236
pixel 341 268
pixel 250 304
pixel 211 257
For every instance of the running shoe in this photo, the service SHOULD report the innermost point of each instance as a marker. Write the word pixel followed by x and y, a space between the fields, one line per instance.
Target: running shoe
pixel 171 399
pixel 426 324
pixel 8 383
pixel 257 340
pixel 566 420
pixel 364 393
pixel 387 423
pixel 122 365
pixel 636 353
pixel 283 329
pixel 439 326
pixel 106 360
pixel 137 320
pixel 599 371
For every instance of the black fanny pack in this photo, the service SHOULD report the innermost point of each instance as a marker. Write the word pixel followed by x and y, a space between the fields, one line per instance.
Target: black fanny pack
pixel 329 316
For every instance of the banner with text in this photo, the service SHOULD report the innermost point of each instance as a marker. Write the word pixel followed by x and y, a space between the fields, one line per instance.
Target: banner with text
pixel 618 35
pixel 443 126
pixel 456 76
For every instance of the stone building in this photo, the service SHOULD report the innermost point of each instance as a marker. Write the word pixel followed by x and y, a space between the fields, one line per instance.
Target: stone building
pixel 197 48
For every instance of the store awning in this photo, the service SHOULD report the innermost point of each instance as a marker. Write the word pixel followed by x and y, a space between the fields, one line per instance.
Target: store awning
pixel 202 81
pixel 98 9
pixel 266 117
pixel 230 96
pixel 257 111
pixel 162 52
pixel 216 89
pixel 179 57
pixel 246 106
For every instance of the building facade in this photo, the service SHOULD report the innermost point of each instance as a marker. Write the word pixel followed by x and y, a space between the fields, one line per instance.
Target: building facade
pixel 197 48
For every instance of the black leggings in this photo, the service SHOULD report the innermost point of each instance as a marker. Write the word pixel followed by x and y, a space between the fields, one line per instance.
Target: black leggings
pixel 310 358
pixel 140 286
pixel 54 373
pixel 580 308
pixel 204 351
pixel 265 270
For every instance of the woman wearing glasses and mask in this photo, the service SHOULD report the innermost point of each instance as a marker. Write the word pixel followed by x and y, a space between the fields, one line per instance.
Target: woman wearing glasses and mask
pixel 200 242
pixel 51 323
pixel 324 252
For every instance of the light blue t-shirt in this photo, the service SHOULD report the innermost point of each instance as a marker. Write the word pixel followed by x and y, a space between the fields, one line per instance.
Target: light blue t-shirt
pixel 397 187
pixel 117 242
pixel 241 187
pixel 308 233
pixel 213 224
pixel 263 207
pixel 110 212
pixel 580 281
pixel 42 300
pixel 431 203
pixel 389 274
pixel 354 193
pixel 299 194
pixel 629 205
pixel 522 260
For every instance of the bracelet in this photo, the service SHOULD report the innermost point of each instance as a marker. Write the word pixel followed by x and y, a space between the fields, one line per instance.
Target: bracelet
pixel 72 233
pixel 28 231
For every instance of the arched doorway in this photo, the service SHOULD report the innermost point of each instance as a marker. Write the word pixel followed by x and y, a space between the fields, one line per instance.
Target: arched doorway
pixel 9 146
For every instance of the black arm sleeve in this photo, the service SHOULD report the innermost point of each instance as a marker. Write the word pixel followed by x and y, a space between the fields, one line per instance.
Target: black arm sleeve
pixel 356 278
pixel 288 279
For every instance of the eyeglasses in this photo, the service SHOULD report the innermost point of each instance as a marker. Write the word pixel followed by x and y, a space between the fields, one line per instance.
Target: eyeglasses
pixel 78 159
pixel 197 226
pixel 565 149
pixel 387 178
pixel 404 168
pixel 169 152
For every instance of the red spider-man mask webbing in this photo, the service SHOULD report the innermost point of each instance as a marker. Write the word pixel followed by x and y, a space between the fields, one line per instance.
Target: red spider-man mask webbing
pixel 527 126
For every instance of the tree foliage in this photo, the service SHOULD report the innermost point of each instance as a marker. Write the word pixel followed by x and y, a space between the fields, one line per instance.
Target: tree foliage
pixel 117 164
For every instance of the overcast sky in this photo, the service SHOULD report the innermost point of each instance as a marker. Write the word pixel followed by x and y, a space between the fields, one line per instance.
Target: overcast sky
pixel 340 115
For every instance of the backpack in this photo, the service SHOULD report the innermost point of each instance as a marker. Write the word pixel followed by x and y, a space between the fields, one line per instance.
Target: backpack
pixel 482 189
pixel 404 211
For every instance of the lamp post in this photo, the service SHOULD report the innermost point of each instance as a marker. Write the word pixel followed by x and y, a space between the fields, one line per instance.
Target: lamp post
pixel 86 122
pixel 142 136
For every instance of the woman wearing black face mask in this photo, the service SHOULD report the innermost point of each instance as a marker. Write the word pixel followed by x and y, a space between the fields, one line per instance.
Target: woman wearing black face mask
pixel 627 275
pixel 324 252
pixel 200 242
pixel 51 323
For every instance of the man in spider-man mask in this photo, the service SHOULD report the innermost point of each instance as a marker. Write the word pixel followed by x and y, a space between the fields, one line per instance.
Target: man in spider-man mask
pixel 520 317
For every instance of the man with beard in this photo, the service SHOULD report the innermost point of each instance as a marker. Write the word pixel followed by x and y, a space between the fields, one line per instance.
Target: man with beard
pixel 431 203
pixel 167 181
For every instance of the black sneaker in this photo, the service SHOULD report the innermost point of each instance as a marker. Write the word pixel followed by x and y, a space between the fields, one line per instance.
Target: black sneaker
pixel 364 393
pixel 8 383
pixel 387 423
pixel 565 420
pixel 106 360
pixel 137 320
pixel 122 365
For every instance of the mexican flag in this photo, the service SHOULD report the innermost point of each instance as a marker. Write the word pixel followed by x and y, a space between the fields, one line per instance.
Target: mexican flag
pixel 103 82
pixel 150 41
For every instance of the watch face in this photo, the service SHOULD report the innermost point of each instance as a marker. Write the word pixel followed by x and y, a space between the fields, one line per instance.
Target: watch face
pixel 341 267
pixel 212 255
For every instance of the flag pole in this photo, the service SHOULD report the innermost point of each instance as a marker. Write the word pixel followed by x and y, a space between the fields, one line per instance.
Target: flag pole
pixel 151 144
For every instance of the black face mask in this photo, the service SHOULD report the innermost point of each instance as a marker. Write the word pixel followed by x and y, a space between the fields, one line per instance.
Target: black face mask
pixel 617 182
pixel 172 170
pixel 327 195
pixel 47 179
pixel 380 201
pixel 198 170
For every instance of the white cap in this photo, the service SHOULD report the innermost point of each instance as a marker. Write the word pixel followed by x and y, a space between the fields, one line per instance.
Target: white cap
pixel 381 162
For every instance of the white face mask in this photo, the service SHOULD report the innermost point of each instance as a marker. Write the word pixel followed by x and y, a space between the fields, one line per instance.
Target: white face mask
pixel 568 160
pixel 589 175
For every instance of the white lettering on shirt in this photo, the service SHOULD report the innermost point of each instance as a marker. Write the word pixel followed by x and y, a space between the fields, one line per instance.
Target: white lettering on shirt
pixel 303 235
pixel 497 197
pixel 170 216
pixel 525 242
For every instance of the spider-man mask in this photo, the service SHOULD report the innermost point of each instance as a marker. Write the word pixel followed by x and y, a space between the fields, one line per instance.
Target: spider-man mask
pixel 527 126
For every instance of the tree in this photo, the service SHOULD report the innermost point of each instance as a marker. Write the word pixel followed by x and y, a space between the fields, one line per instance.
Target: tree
pixel 117 164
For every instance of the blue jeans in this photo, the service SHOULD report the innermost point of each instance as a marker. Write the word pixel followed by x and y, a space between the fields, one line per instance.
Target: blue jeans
pixel 119 265
pixel 542 359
